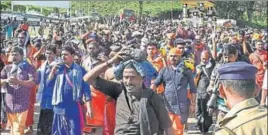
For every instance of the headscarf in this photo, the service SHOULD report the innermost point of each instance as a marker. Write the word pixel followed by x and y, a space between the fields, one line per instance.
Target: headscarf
pixel 118 71
pixel 144 69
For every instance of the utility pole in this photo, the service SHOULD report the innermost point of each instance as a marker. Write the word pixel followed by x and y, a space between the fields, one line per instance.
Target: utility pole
pixel 12 6
pixel 140 5
pixel 88 7
pixel 171 10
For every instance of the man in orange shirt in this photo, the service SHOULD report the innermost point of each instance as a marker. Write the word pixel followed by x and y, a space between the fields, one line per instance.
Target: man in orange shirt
pixel 259 60
pixel 156 60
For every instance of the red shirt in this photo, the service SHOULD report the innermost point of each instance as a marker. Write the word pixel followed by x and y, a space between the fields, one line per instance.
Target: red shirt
pixel 24 27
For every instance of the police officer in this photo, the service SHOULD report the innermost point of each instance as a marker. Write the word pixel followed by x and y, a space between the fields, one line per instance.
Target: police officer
pixel 237 87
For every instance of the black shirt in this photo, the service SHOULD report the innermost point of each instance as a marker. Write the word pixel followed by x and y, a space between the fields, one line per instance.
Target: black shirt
pixel 203 83
pixel 156 110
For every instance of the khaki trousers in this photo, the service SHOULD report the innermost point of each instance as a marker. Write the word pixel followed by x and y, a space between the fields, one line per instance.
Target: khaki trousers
pixel 17 122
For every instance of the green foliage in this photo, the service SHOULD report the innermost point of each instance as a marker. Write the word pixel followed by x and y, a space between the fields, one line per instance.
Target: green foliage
pixel 255 13
pixel 112 7
pixel 34 8
pixel 5 5
pixel 19 8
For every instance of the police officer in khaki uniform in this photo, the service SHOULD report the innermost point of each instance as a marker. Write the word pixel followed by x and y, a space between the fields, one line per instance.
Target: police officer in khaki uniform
pixel 237 87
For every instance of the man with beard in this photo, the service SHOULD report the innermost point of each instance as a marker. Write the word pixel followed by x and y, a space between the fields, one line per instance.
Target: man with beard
pixel 198 48
pixel 176 78
pixel 90 60
pixel 203 72
pixel 140 111
pixel 28 50
pixel 98 99
pixel 259 60
pixel 18 78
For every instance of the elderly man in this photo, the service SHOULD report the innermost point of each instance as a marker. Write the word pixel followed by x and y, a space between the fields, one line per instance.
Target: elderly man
pixel 140 111
pixel 176 78
pixel 203 73
pixel 18 78
pixel 237 87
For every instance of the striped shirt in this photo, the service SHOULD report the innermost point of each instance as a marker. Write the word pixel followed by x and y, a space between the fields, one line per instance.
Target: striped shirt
pixel 18 97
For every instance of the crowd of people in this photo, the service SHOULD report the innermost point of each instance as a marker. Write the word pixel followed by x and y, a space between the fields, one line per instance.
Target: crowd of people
pixel 134 79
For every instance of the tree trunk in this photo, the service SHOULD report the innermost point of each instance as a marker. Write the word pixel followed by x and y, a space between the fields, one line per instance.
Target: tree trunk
pixel 250 10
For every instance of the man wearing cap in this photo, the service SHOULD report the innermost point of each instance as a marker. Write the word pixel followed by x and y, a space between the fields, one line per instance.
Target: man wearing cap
pixel 176 78
pixel 237 87
pixel 139 110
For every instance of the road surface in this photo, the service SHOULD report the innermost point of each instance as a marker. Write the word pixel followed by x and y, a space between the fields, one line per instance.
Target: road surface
pixel 192 130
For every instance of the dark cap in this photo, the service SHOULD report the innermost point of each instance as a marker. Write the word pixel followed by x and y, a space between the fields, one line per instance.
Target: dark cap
pixel 237 71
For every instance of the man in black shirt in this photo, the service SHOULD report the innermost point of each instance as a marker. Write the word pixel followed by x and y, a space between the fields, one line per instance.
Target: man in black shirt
pixel 139 111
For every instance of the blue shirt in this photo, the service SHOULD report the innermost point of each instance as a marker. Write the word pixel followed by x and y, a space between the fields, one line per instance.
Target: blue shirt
pixel 175 83
pixel 69 105
pixel 46 101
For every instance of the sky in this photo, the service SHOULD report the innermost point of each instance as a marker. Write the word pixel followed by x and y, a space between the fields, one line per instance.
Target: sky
pixel 59 4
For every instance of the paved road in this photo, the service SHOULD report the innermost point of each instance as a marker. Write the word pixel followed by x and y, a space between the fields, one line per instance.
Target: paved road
pixel 192 129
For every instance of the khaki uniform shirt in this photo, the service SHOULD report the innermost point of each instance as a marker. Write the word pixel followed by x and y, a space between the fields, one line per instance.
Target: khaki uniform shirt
pixel 245 118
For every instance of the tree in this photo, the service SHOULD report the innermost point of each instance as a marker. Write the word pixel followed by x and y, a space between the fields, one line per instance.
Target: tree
pixel 20 8
pixel 5 5
pixel 227 9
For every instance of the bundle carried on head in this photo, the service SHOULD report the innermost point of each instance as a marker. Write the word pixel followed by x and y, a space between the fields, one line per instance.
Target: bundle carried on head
pixel 135 54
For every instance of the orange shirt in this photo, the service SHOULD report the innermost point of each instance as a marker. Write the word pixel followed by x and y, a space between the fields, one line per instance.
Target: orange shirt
pixel 158 63
pixel 29 56
pixel 4 58
pixel 30 59
pixel 258 59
